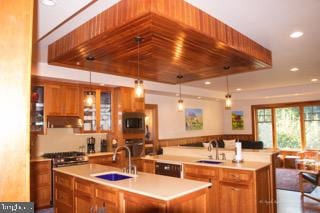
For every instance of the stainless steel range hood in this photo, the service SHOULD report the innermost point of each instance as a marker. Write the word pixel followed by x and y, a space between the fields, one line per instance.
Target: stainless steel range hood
pixel 64 122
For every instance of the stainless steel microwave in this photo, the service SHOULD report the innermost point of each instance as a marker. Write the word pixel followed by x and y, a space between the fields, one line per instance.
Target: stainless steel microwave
pixel 133 122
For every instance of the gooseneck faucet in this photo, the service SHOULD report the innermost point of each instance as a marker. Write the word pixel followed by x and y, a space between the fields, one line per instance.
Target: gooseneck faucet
pixel 210 147
pixel 129 170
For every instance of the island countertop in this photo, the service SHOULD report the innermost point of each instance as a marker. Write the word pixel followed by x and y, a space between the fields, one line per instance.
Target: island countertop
pixel 246 165
pixel 151 185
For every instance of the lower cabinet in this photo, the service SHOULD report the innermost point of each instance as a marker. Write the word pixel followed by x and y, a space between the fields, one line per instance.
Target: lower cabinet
pixel 77 195
pixel 234 190
pixel 148 166
pixel 235 198
pixel 40 183
pixel 205 174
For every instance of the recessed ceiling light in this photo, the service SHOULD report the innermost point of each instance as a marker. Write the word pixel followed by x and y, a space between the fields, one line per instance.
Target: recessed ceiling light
pixel 78 63
pixel 207 83
pixel 48 2
pixel 296 94
pixel 199 97
pixel 238 89
pixel 296 34
pixel 314 80
pixel 294 69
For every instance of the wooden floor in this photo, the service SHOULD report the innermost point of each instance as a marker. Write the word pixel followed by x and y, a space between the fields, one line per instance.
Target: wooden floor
pixel 290 202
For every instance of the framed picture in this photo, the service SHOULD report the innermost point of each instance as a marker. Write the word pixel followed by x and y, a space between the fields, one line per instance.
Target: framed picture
pixel 194 120
pixel 237 120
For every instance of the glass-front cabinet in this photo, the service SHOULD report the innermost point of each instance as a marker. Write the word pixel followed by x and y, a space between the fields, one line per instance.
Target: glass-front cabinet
pixel 96 116
pixel 37 109
pixel 105 111
pixel 89 112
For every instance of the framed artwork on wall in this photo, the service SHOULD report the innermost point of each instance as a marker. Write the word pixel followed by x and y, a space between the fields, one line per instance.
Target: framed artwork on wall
pixel 237 120
pixel 194 120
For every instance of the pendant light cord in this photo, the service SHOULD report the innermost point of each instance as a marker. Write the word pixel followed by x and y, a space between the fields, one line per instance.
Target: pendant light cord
pixel 227 86
pixel 139 59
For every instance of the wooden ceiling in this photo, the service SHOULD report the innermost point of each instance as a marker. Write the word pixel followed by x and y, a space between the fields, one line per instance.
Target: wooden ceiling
pixel 178 39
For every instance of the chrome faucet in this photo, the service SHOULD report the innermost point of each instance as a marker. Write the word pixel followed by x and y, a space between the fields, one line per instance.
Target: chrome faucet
pixel 130 167
pixel 210 147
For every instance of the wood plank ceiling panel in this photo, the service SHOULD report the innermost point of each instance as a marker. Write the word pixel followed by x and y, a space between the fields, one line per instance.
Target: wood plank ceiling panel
pixel 178 38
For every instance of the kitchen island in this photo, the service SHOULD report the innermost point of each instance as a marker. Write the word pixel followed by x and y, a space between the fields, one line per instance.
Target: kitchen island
pixel 78 189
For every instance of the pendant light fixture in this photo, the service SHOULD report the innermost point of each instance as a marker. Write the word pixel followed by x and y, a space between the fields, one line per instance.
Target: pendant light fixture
pixel 228 97
pixel 138 83
pixel 90 98
pixel 180 105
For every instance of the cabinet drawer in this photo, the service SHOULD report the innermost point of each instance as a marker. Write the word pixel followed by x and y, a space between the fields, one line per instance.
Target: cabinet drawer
pixel 200 171
pixel 236 176
pixel 83 187
pixel 106 194
pixel 40 167
pixel 63 180
pixel 39 180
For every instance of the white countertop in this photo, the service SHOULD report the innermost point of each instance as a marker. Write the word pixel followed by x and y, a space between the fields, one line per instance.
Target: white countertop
pixel 99 154
pixel 151 185
pixel 246 165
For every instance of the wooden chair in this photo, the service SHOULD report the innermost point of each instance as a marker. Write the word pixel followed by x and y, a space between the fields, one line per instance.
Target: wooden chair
pixel 310 177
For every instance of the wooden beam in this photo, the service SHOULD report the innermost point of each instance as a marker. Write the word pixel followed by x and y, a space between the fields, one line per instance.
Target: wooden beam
pixel 16 21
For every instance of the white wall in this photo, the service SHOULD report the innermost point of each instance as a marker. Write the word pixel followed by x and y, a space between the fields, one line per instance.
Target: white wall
pixel 245 106
pixel 172 122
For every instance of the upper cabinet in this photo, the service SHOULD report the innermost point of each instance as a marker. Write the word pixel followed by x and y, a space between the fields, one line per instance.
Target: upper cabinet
pixel 37 109
pixel 97 116
pixel 61 100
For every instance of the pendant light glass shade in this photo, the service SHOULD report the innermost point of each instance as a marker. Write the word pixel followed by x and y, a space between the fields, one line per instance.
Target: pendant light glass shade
pixel 138 83
pixel 138 88
pixel 180 105
pixel 228 97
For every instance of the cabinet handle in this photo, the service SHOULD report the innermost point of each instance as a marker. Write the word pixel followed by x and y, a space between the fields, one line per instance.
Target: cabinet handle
pixel 210 180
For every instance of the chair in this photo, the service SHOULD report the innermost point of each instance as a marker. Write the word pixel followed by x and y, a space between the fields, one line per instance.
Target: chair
pixel 313 178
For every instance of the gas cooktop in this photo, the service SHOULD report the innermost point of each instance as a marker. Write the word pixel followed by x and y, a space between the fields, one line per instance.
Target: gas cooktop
pixel 66 158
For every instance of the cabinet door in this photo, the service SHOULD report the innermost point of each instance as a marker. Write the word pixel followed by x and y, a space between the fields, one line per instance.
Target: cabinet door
pixel 70 100
pixel 236 198
pixel 105 111
pixel 83 204
pixel 212 200
pixel 107 198
pixel 149 166
pixel 52 101
pixel 89 112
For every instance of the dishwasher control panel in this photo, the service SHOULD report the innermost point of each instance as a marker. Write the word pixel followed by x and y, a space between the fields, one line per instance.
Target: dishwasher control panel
pixel 169 169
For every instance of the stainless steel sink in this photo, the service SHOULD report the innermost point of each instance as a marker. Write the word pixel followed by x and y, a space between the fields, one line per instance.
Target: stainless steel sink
pixel 209 161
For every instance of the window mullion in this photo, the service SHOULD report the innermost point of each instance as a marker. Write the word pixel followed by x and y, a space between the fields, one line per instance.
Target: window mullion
pixel 274 135
pixel 302 124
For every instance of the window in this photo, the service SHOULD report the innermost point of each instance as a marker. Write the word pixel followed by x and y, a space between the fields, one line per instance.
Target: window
pixel 264 125
pixel 312 126
pixel 288 126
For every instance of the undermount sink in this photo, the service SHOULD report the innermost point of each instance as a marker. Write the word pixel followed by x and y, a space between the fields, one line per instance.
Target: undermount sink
pixel 209 161
pixel 112 176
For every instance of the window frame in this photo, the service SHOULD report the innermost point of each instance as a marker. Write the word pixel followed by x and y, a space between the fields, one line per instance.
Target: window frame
pixel 273 107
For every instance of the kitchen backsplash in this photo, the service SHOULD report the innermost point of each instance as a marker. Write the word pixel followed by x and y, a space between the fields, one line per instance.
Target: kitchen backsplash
pixel 62 140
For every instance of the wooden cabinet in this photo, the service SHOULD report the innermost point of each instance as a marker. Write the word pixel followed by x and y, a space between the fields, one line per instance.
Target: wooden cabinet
pixel 236 198
pixel 148 166
pixel 61 100
pixel 107 160
pixel 205 174
pixel 106 198
pixel 63 193
pixel 83 196
pixel 96 117
pixel 40 183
